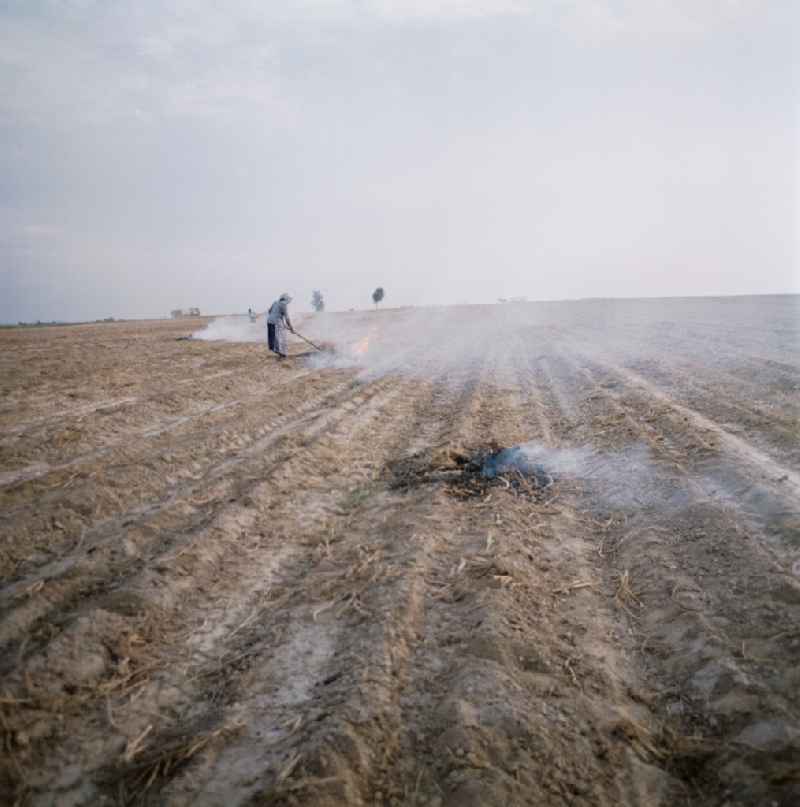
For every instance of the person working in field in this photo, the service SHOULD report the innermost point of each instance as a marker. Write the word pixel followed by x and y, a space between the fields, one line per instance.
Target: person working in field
pixel 277 323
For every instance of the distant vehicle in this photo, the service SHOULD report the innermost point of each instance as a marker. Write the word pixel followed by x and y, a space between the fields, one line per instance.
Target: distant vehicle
pixel 179 313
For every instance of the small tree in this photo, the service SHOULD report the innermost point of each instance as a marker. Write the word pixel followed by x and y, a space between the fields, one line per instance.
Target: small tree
pixel 317 302
pixel 377 295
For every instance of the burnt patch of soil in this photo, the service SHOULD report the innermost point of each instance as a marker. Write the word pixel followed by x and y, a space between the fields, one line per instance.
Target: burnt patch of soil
pixel 472 472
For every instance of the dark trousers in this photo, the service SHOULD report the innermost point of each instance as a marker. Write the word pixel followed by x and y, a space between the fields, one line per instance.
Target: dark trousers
pixel 271 341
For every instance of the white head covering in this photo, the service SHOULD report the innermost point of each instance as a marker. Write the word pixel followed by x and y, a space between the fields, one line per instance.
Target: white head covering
pixel 285 297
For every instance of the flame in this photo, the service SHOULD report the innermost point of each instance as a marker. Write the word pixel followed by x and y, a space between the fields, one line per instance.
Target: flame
pixel 362 346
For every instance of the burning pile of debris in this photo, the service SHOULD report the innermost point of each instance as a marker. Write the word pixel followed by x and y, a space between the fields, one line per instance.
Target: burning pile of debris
pixel 515 462
pixel 340 354
pixel 472 473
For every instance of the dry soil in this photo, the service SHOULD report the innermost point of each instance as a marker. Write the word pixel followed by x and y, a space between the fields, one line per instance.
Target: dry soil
pixel 227 581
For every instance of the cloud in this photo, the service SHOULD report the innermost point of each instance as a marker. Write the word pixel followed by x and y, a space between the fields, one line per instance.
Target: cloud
pixel 598 18
pixel 607 20
pixel 417 10
pixel 94 63
pixel 99 64
pixel 240 147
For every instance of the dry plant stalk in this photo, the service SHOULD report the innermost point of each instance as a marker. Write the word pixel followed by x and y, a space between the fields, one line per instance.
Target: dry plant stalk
pixel 307 782
pixel 7 700
pixel 293 724
pixel 353 601
pixel 160 762
pixel 322 609
pixel 286 770
pixel 568 668
pixel 244 624
pixel 640 738
pixel 573 586
pixel 625 595
pixel 135 746
pixel 34 588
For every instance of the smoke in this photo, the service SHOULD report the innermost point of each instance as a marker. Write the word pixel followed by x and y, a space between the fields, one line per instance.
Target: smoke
pixel 573 462
pixel 432 342
pixel 629 479
pixel 346 342
pixel 233 329
pixel 717 357
pixel 510 343
pixel 625 479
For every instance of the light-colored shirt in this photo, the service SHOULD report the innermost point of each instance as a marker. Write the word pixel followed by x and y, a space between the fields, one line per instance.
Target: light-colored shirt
pixel 279 313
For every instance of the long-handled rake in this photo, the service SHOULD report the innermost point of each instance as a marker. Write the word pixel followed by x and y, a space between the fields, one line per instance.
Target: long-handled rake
pixel 308 341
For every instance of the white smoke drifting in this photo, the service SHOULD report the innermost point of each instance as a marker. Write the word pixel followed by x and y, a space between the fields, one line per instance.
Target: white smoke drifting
pixel 233 329
pixel 507 341
pixel 628 479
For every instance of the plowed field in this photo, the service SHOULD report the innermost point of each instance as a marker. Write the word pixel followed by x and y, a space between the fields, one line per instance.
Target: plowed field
pixel 227 581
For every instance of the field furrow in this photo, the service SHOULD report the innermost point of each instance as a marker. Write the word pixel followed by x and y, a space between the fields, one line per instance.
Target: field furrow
pixel 325 582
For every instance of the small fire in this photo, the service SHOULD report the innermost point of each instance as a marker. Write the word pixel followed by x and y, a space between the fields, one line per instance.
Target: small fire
pixel 362 346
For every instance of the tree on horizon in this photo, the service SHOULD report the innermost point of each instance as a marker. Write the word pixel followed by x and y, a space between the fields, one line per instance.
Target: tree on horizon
pixel 377 295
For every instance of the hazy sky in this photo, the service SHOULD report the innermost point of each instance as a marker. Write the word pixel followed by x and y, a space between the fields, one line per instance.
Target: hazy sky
pixel 165 153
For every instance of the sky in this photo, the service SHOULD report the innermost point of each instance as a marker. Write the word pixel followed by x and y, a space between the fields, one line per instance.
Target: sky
pixel 168 153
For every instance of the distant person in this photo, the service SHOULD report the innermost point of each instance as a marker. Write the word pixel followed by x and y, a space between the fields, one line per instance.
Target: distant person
pixel 277 323
pixel 251 314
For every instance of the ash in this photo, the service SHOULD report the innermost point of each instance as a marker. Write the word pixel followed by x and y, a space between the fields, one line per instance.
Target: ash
pixel 509 462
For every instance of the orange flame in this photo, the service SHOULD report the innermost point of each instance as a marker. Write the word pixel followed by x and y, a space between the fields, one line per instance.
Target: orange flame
pixel 362 346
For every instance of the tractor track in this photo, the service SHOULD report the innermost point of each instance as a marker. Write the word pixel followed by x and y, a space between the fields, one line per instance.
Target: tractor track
pixel 327 590
pixel 98 563
pixel 161 582
pixel 174 466
pixel 726 588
